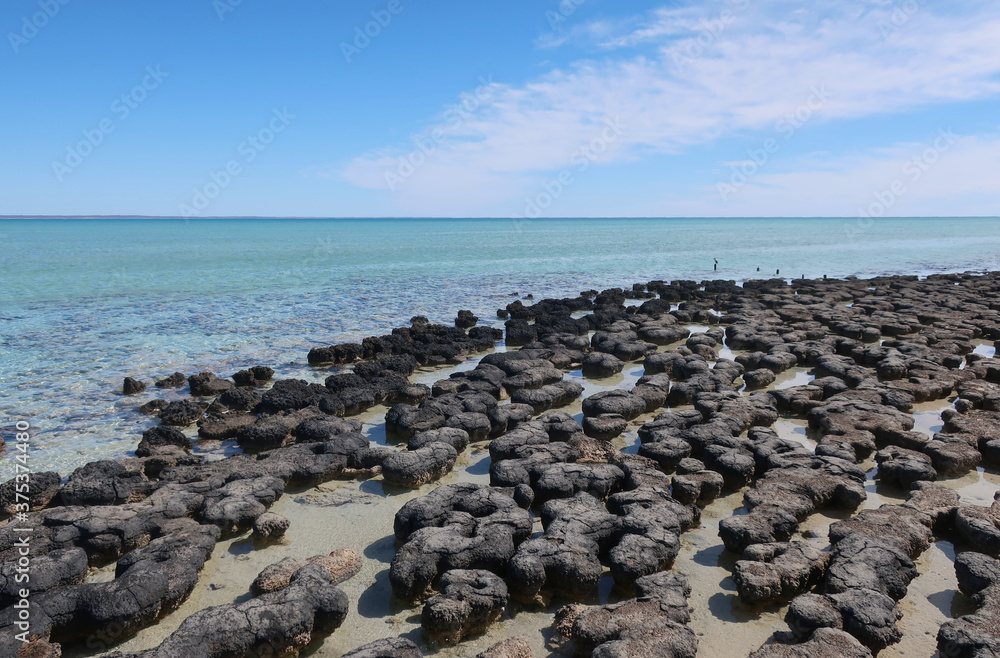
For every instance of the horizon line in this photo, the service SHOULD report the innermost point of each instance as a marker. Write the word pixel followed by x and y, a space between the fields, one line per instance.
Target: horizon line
pixel 489 217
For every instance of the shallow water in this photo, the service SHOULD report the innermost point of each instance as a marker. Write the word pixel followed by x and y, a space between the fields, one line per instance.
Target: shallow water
pixel 85 302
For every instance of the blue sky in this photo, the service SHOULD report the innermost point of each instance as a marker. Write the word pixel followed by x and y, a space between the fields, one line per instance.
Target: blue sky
pixel 489 108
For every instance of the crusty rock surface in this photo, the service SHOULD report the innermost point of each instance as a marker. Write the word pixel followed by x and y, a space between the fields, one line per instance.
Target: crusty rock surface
pixel 468 603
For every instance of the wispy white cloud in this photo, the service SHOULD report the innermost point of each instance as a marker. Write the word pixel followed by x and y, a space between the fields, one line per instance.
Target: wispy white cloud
pixel 708 74
pixel 947 174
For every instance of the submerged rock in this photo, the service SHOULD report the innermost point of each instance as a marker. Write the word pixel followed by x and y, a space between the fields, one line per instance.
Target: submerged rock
pixel 512 647
pixel 133 386
pixel 392 647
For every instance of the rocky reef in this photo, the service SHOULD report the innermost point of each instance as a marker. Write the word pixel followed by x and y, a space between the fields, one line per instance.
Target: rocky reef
pixel 591 477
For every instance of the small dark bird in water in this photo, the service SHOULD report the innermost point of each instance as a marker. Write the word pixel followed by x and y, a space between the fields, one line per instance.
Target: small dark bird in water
pixel 716 266
pixel 758 269
pixel 777 272
pixel 824 277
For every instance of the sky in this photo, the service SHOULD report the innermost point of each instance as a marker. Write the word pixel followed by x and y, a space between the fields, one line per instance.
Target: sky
pixel 512 108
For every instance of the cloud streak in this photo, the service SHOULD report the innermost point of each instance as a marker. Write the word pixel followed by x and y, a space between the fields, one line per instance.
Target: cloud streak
pixel 758 62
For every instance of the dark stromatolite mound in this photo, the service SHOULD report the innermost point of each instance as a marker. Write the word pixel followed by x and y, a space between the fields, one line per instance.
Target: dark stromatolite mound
pixel 456 437
pixel 562 480
pixel 549 396
pixel 149 581
pixel 466 319
pixel 341 565
pixel 278 623
pixel 325 428
pixel 428 344
pixel 237 504
pixel 267 433
pixel 870 567
pixel 760 378
pixel 413 468
pixel 976 572
pixel 600 364
pixel 153 407
pixel 476 425
pixel 860 562
pixel 450 409
pixel 181 413
pixel 653 624
pixel 159 437
pixel 977 634
pixel 539 366
pixel 781 571
pixel 794 483
pixel 953 454
pixel 238 399
pixel 208 384
pixel 460 526
pixel 843 416
pixel 309 464
pixel 42 488
pixel 623 403
pixel 700 487
pixel 391 647
pixel 867 615
pixel 66 566
pixel 484 377
pixel 175 380
pixel 824 643
pixel 105 483
pixel 294 394
pixel 904 527
pixel 650 541
pixel 269 527
pixel 605 426
pixel 255 377
pixel 565 559
pixel 903 467
pixel 980 526
pixel 132 386
pixel 468 603
pixel 225 427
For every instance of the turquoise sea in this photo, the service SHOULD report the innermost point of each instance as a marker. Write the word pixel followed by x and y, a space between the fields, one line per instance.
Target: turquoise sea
pixel 85 302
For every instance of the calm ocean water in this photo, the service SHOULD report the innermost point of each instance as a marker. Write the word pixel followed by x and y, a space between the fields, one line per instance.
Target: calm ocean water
pixel 85 302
